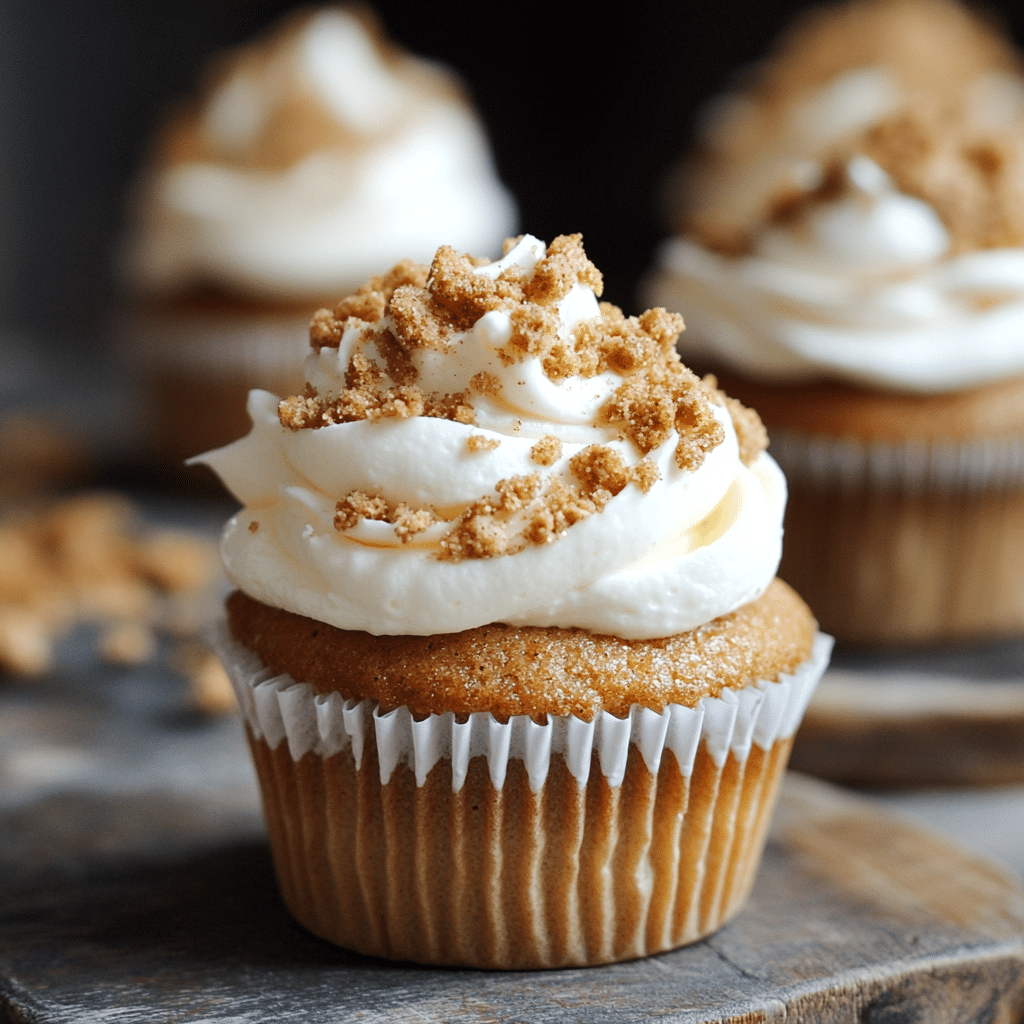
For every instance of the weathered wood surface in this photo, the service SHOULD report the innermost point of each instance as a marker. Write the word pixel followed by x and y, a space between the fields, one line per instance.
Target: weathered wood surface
pixel 143 907
pixel 899 718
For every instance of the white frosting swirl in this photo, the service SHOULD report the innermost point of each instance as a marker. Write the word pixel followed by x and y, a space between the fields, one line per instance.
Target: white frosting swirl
pixel 696 545
pixel 391 163
pixel 859 288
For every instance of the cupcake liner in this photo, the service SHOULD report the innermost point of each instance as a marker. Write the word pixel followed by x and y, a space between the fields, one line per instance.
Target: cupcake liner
pixel 276 708
pixel 914 465
pixel 516 845
pixel 906 544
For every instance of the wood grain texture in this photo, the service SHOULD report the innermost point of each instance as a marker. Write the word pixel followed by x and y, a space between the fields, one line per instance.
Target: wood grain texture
pixel 142 908
pixel 951 716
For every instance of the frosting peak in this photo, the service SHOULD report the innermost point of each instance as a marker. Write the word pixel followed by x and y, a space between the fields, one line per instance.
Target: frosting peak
pixel 314 156
pixel 853 214
pixel 483 442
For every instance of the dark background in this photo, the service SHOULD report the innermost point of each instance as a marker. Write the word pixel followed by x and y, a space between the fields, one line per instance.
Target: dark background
pixel 585 113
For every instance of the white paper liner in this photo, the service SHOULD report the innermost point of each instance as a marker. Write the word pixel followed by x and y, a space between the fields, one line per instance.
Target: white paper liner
pixel 913 465
pixel 277 708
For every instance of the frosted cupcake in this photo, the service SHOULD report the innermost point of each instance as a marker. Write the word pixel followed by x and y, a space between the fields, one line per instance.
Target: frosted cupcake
pixel 519 685
pixel 851 252
pixel 309 159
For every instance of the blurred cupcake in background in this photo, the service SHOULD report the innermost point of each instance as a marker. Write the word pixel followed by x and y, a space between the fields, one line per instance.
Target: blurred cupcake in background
pixel 309 158
pixel 850 259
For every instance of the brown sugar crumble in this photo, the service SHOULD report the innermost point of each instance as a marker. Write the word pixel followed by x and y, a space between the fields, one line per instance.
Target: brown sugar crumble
pixel 407 521
pixel 751 434
pixel 935 146
pixel 479 443
pixel 547 451
pixel 972 177
pixel 415 307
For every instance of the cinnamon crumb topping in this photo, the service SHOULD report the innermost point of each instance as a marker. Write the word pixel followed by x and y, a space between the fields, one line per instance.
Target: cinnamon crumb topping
pixel 600 469
pixel 368 304
pixel 479 443
pixel 406 520
pixel 670 397
pixel 465 295
pixel 751 434
pixel 972 177
pixel 547 451
pixel 565 265
pixel 414 309
pixel 363 401
pixel 485 383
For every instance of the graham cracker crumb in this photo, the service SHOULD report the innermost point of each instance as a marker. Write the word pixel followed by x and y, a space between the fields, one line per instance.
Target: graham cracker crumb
pixel 518 491
pixel 646 474
pixel 478 535
pixel 534 330
pixel 419 319
pixel 479 443
pixel 485 383
pixel 547 451
pixel 408 521
pixel 396 358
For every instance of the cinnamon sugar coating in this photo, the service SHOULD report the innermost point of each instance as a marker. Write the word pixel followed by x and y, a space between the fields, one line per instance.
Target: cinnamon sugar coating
pixel 534 671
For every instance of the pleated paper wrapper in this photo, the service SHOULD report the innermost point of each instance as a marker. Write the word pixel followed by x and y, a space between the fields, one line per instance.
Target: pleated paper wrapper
pixel 913 542
pixel 516 844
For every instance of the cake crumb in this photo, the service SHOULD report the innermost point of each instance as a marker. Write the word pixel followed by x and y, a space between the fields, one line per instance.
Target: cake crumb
pixel 88 559
pixel 479 443
pixel 547 451
pixel 127 643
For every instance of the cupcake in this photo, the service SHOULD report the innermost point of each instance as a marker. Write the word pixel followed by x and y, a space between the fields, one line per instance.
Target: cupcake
pixel 519 684
pixel 308 160
pixel 850 256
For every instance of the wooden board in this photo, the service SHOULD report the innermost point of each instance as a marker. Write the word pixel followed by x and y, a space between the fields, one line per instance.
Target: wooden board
pixel 950 716
pixel 144 907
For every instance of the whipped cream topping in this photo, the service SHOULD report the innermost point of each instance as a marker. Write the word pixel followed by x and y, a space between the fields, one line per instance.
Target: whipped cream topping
pixel 320 156
pixel 667 551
